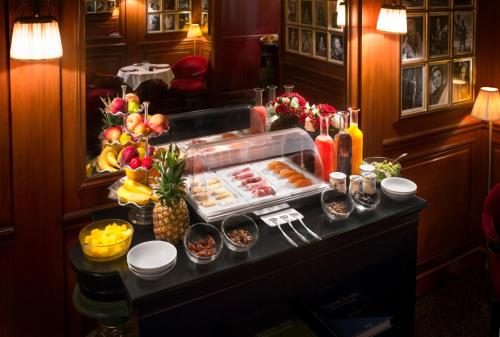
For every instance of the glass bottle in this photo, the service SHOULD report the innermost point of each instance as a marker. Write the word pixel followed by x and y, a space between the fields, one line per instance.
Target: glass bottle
pixel 343 143
pixel 324 143
pixel 270 113
pixel 288 88
pixel 258 113
pixel 357 141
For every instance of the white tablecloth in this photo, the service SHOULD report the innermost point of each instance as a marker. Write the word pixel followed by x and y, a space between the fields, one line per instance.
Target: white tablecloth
pixel 134 75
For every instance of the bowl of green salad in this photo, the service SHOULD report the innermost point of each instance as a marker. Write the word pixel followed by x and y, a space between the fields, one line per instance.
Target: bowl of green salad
pixel 384 167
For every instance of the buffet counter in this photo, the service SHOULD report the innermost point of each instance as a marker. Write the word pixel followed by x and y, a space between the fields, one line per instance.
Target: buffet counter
pixel 373 253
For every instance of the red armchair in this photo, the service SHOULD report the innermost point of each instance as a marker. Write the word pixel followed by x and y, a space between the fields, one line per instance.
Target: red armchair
pixel 190 79
pixel 490 221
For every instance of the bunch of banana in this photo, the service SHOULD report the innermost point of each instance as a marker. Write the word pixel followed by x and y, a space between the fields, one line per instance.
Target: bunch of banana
pixel 107 160
pixel 132 191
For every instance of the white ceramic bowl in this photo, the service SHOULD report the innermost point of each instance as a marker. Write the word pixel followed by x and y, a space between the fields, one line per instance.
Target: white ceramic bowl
pixel 152 256
pixel 396 197
pixel 398 186
pixel 153 277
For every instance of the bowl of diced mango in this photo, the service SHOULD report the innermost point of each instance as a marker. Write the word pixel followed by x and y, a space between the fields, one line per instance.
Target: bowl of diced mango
pixel 106 240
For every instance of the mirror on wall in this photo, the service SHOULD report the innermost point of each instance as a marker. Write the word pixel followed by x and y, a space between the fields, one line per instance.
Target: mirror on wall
pixel 146 50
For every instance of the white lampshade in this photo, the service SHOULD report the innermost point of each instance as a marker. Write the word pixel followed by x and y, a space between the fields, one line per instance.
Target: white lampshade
pixel 487 104
pixel 341 14
pixel 36 38
pixel 392 19
pixel 194 31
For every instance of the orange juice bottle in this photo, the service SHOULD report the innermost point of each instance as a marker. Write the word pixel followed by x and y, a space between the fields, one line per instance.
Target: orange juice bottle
pixel 357 141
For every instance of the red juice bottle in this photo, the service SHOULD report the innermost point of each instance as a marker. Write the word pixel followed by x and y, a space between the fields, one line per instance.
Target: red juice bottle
pixel 324 143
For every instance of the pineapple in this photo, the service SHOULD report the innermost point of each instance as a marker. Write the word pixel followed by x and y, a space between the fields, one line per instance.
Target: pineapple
pixel 170 213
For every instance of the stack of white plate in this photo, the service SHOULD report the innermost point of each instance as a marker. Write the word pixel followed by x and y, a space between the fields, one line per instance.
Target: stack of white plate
pixel 398 189
pixel 152 260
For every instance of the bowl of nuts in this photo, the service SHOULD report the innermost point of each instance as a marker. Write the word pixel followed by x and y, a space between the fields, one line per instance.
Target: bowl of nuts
pixel 203 243
pixel 336 205
pixel 240 232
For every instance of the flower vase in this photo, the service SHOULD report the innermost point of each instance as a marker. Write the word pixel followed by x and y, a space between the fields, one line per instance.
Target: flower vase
pixel 286 122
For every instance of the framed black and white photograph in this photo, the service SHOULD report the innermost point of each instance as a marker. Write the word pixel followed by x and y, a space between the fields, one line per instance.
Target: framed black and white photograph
pixel 154 6
pixel 292 8
pixel 90 7
pixel 414 4
pixel 169 5
pixel 306 12
pixel 184 5
pixel 413 46
pixel 439 34
pixel 435 4
pixel 111 6
pixel 463 75
pixel 320 14
pixel 204 5
pixel 306 42
pixel 332 16
pixel 413 89
pixel 101 6
pixel 292 39
pixel 169 21
pixel 184 19
pixel 463 3
pixel 154 23
pixel 320 42
pixel 336 48
pixel 204 22
pixel 463 33
pixel 439 84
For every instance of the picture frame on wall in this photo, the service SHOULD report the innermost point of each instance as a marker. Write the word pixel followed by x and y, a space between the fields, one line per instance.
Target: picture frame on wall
pixel 439 84
pixel 463 33
pixel 169 5
pixel 413 43
pixel 336 48
pixel 463 3
pixel 292 39
pixel 414 4
pixel 154 23
pixel 292 14
pixel 332 16
pixel 320 14
pixel 153 6
pixel 90 7
pixel 204 5
pixel 306 42
pixel 413 89
pixel 463 80
pixel 169 22
pixel 438 4
pixel 184 5
pixel 183 20
pixel 111 6
pixel 439 34
pixel 306 12
pixel 320 44
pixel 101 6
pixel 204 22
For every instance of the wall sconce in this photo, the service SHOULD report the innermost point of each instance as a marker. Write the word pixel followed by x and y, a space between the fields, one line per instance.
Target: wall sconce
pixel 194 33
pixel 36 37
pixel 392 19
pixel 341 14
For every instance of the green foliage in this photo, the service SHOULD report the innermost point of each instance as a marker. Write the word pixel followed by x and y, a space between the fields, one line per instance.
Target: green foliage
pixel 171 184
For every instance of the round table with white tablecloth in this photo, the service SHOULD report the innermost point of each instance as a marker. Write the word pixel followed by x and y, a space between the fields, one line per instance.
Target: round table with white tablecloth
pixel 134 75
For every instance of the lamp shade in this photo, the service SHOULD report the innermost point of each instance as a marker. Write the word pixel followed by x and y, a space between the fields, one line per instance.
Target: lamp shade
pixel 36 38
pixel 392 19
pixel 487 104
pixel 194 31
pixel 341 14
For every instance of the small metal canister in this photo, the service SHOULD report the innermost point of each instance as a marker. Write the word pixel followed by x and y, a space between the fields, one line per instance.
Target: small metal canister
pixel 338 181
pixel 369 182
pixel 355 183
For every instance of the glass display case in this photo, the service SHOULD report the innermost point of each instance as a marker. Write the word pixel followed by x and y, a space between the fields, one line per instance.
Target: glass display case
pixel 247 173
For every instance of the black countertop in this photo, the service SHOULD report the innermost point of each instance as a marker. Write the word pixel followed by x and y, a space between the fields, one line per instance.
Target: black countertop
pixel 271 243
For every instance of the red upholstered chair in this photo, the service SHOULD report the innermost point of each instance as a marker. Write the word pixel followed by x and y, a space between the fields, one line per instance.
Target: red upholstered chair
pixel 190 79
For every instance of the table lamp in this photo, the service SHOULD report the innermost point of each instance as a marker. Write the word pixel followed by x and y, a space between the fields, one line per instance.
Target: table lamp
pixel 392 18
pixel 487 108
pixel 194 33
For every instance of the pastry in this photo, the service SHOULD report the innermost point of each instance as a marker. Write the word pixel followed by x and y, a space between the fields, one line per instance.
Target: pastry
pixel 279 167
pixel 302 183
pixel 208 203
pixel 214 186
pixel 213 181
pixel 294 177
pixel 285 173
pixel 223 195
pixel 272 164
pixel 201 196
pixel 198 189
pixel 229 135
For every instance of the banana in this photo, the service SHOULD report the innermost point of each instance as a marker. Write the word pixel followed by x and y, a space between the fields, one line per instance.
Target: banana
pixel 102 161
pixel 136 187
pixel 111 159
pixel 126 195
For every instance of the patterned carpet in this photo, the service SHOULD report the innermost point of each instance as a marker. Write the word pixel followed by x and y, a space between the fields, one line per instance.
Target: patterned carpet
pixel 460 309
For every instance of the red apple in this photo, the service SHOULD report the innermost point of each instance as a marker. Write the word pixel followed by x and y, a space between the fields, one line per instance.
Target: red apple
pixel 118 105
pixel 151 151
pixel 147 163
pixel 142 129
pixel 133 120
pixel 134 163
pixel 112 134
pixel 129 153
pixel 158 123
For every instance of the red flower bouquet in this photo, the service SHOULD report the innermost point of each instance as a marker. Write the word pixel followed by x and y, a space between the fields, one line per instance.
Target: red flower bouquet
pixel 311 117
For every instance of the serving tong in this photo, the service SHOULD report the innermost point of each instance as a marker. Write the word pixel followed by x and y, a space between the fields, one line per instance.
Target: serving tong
pixel 288 216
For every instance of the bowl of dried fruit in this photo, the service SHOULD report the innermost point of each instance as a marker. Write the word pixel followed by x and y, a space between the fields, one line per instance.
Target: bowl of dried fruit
pixel 240 232
pixel 336 205
pixel 203 243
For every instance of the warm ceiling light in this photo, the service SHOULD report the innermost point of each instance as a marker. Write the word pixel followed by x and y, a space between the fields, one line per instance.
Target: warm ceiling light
pixel 36 37
pixel 341 14
pixel 392 19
